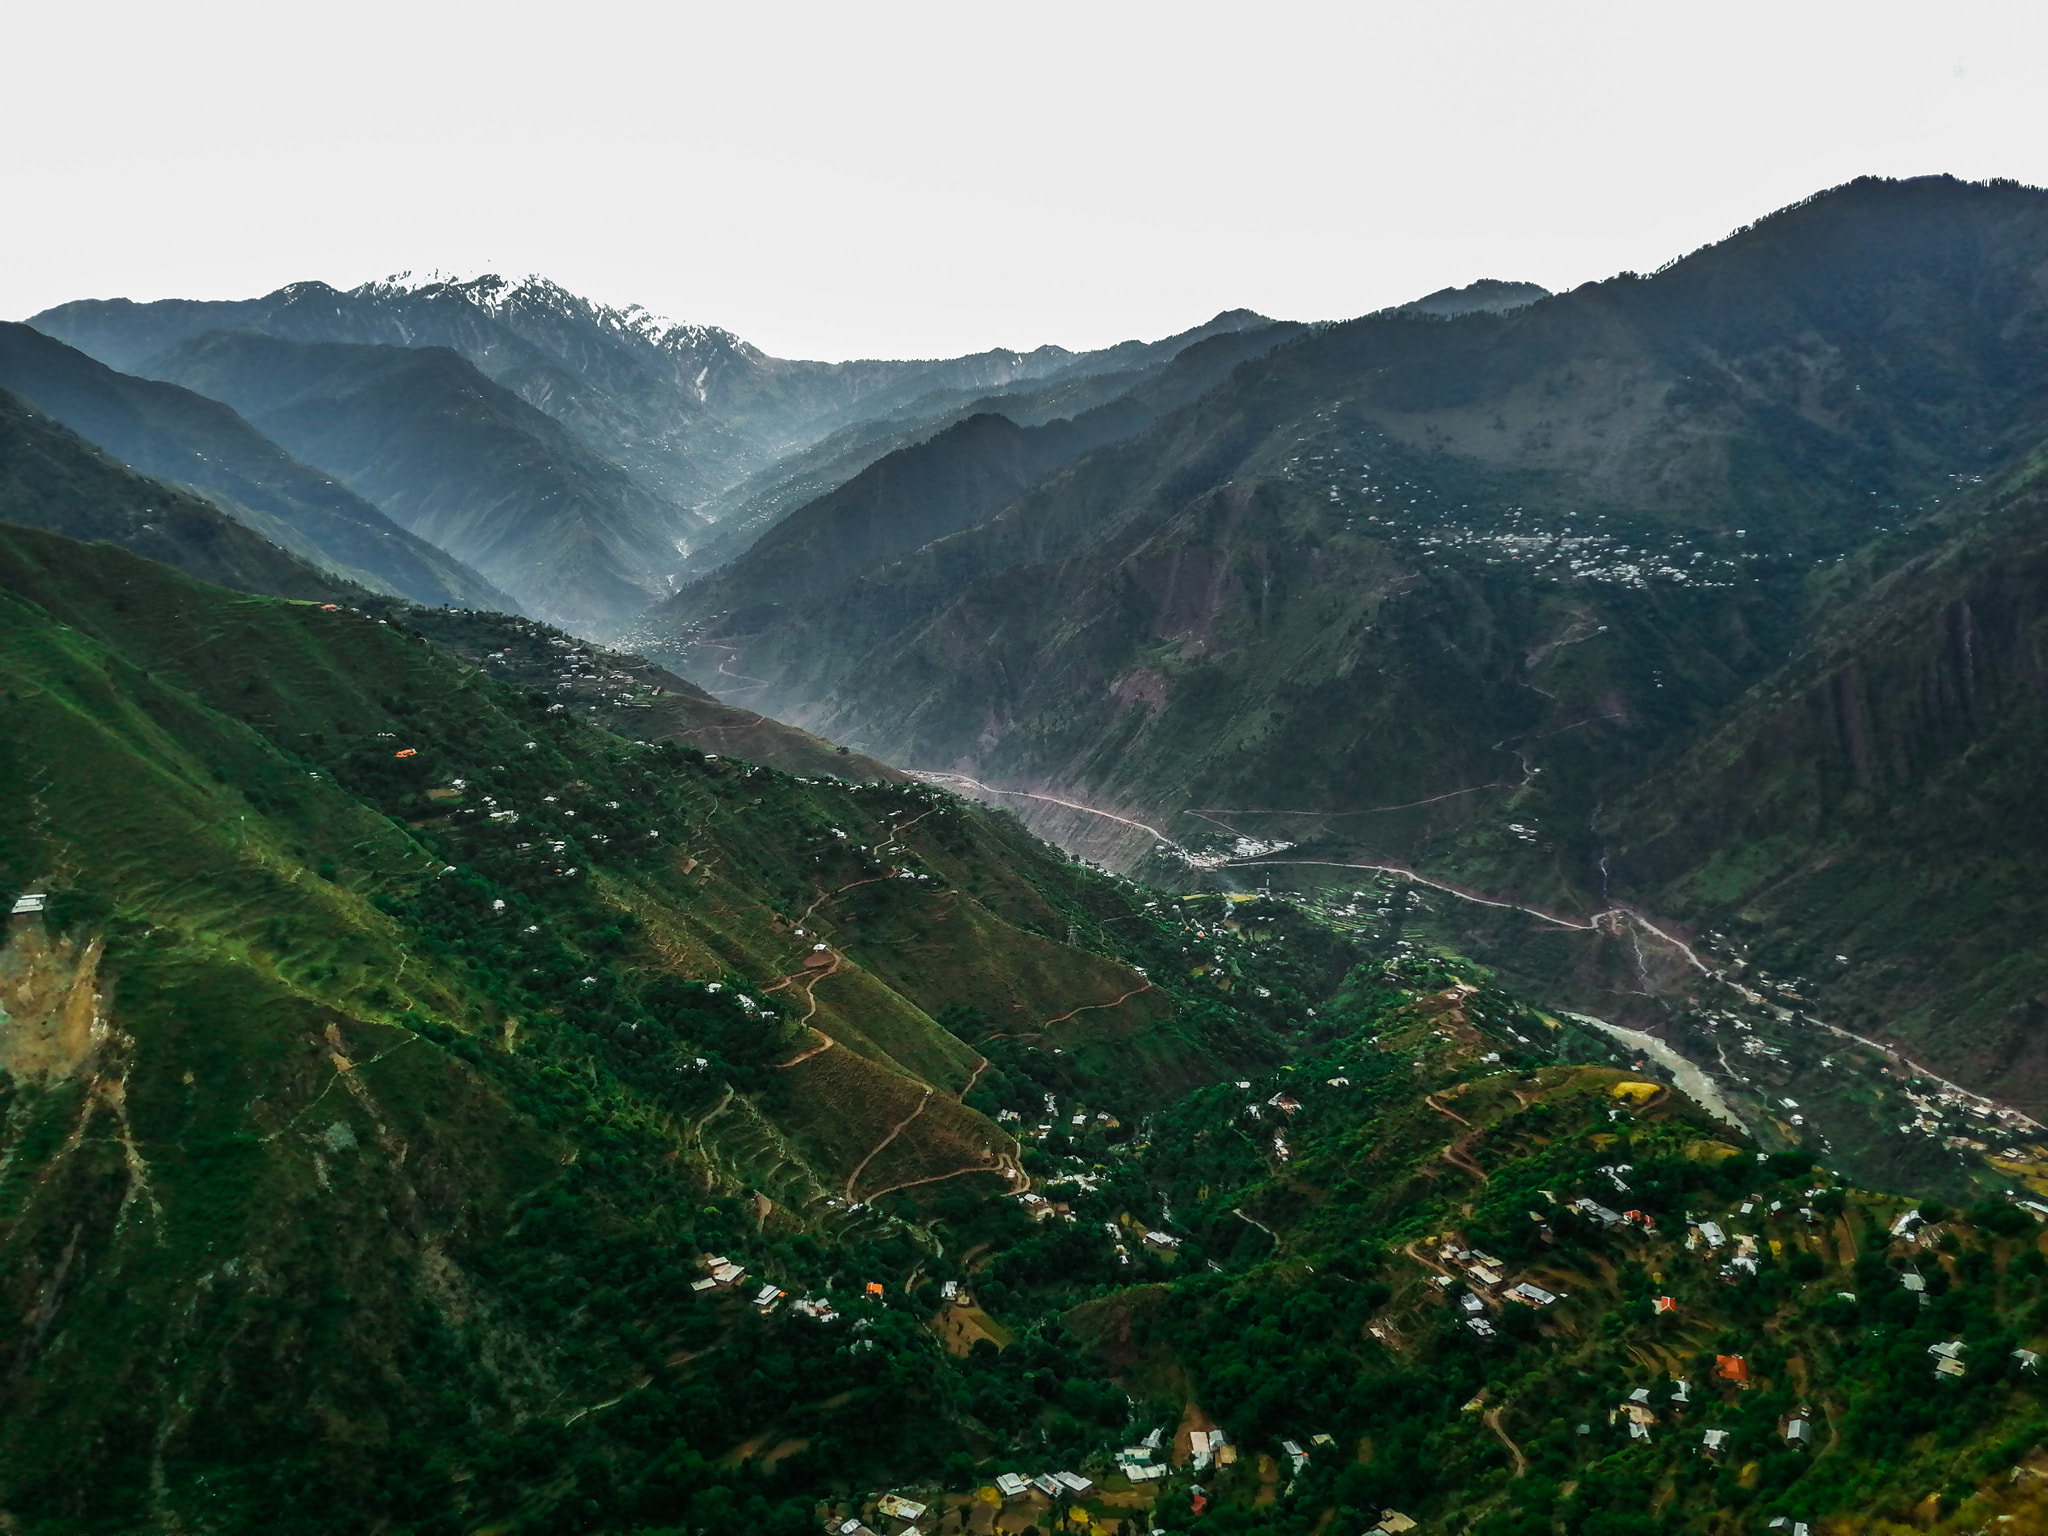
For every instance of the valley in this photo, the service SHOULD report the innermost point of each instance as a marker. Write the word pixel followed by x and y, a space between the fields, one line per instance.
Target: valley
pixel 1421 923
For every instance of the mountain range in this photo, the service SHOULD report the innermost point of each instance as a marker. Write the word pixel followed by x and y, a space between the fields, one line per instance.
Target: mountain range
pixel 574 453
pixel 1445 592
pixel 1530 1020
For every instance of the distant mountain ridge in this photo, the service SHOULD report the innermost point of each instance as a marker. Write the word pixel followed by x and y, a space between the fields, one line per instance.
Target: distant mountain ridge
pixel 648 420
pixel 456 459
pixel 1488 296
pixel 177 435
pixel 948 483
pixel 54 480
pixel 686 409
pixel 744 512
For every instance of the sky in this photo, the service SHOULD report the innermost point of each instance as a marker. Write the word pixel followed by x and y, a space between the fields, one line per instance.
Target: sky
pixel 892 180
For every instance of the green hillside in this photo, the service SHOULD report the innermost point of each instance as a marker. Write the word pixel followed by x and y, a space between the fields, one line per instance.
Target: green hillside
pixel 396 1050
pixel 294 1104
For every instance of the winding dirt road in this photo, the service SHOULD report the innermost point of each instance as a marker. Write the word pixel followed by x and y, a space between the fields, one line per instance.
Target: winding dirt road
pixel 812 975
pixel 894 1131
pixel 1454 1153
pixel 1491 1419
pixel 1092 1007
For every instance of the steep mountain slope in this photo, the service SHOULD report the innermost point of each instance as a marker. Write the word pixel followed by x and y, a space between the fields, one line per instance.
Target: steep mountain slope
pixel 1869 821
pixel 50 478
pixel 634 698
pixel 380 1098
pixel 743 512
pixel 458 461
pixel 180 436
pixel 381 1014
pixel 944 484
pixel 392 1061
pixel 1373 466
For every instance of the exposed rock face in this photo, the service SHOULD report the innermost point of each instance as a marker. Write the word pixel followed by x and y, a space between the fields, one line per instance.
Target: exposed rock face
pixel 53 1017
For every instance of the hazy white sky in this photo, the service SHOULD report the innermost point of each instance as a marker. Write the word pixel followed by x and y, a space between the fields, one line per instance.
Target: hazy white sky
pixel 895 179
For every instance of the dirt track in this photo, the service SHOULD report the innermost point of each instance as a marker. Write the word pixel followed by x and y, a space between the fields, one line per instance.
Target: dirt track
pixel 1455 1153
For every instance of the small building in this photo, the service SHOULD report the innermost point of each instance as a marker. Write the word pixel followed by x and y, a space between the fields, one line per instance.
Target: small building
pixel 1712 1441
pixel 1915 1283
pixel 1799 1431
pixel 706 1284
pixel 1662 1304
pixel 1011 1486
pixel 1531 1295
pixel 29 901
pixel 1074 1482
pixel 1393 1523
pixel 2027 1358
pixel 898 1508
pixel 766 1297
pixel 1732 1368
pixel 1047 1486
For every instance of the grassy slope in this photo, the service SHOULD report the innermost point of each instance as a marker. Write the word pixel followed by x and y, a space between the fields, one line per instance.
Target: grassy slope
pixel 335 1091
pixel 363 1194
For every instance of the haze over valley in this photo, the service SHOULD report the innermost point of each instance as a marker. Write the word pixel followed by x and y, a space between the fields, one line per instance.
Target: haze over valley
pixel 1422 918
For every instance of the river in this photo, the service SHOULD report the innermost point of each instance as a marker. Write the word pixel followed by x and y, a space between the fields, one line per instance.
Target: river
pixel 1691 1081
